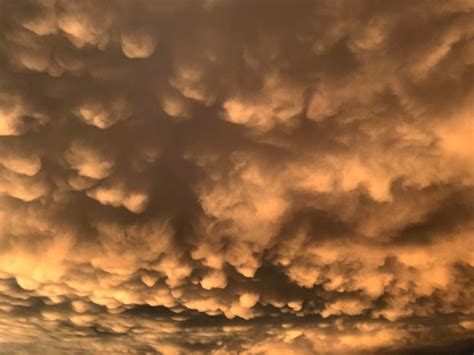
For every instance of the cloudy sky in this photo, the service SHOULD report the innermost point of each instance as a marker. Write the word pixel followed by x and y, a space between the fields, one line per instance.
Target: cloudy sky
pixel 236 177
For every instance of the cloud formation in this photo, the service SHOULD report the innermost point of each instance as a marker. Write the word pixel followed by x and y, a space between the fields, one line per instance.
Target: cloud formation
pixel 236 177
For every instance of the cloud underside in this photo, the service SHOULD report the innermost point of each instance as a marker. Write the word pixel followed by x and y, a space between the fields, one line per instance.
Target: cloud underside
pixel 236 177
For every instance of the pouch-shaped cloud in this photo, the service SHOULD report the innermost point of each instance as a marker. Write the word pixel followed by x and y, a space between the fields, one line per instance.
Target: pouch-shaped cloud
pixel 104 114
pixel 88 161
pixel 236 177
pixel 138 44
pixel 278 103
pixel 116 194
pixel 16 118
pixel 84 22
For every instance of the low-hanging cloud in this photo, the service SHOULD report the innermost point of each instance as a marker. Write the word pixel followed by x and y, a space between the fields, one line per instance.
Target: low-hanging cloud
pixel 236 177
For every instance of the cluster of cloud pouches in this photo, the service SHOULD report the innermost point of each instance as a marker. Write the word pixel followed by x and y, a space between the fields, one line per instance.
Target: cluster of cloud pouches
pixel 236 176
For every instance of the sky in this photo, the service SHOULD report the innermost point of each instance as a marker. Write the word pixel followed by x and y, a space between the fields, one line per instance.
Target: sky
pixel 236 177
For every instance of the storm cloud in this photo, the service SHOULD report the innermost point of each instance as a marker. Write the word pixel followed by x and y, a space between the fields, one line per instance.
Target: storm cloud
pixel 236 177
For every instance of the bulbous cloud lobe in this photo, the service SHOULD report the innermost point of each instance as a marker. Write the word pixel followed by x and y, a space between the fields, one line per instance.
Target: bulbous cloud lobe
pixel 236 177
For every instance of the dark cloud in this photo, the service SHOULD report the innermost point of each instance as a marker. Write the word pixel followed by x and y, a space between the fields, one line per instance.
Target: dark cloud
pixel 227 177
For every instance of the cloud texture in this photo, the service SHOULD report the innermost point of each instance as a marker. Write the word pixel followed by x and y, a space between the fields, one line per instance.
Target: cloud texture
pixel 236 177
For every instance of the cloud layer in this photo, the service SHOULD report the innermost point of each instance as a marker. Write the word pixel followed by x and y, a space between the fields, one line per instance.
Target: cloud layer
pixel 236 177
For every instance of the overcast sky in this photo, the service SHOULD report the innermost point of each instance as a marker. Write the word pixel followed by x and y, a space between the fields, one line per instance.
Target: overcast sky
pixel 236 177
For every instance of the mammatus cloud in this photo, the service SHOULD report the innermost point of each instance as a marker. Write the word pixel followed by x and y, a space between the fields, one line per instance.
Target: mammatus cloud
pixel 236 177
